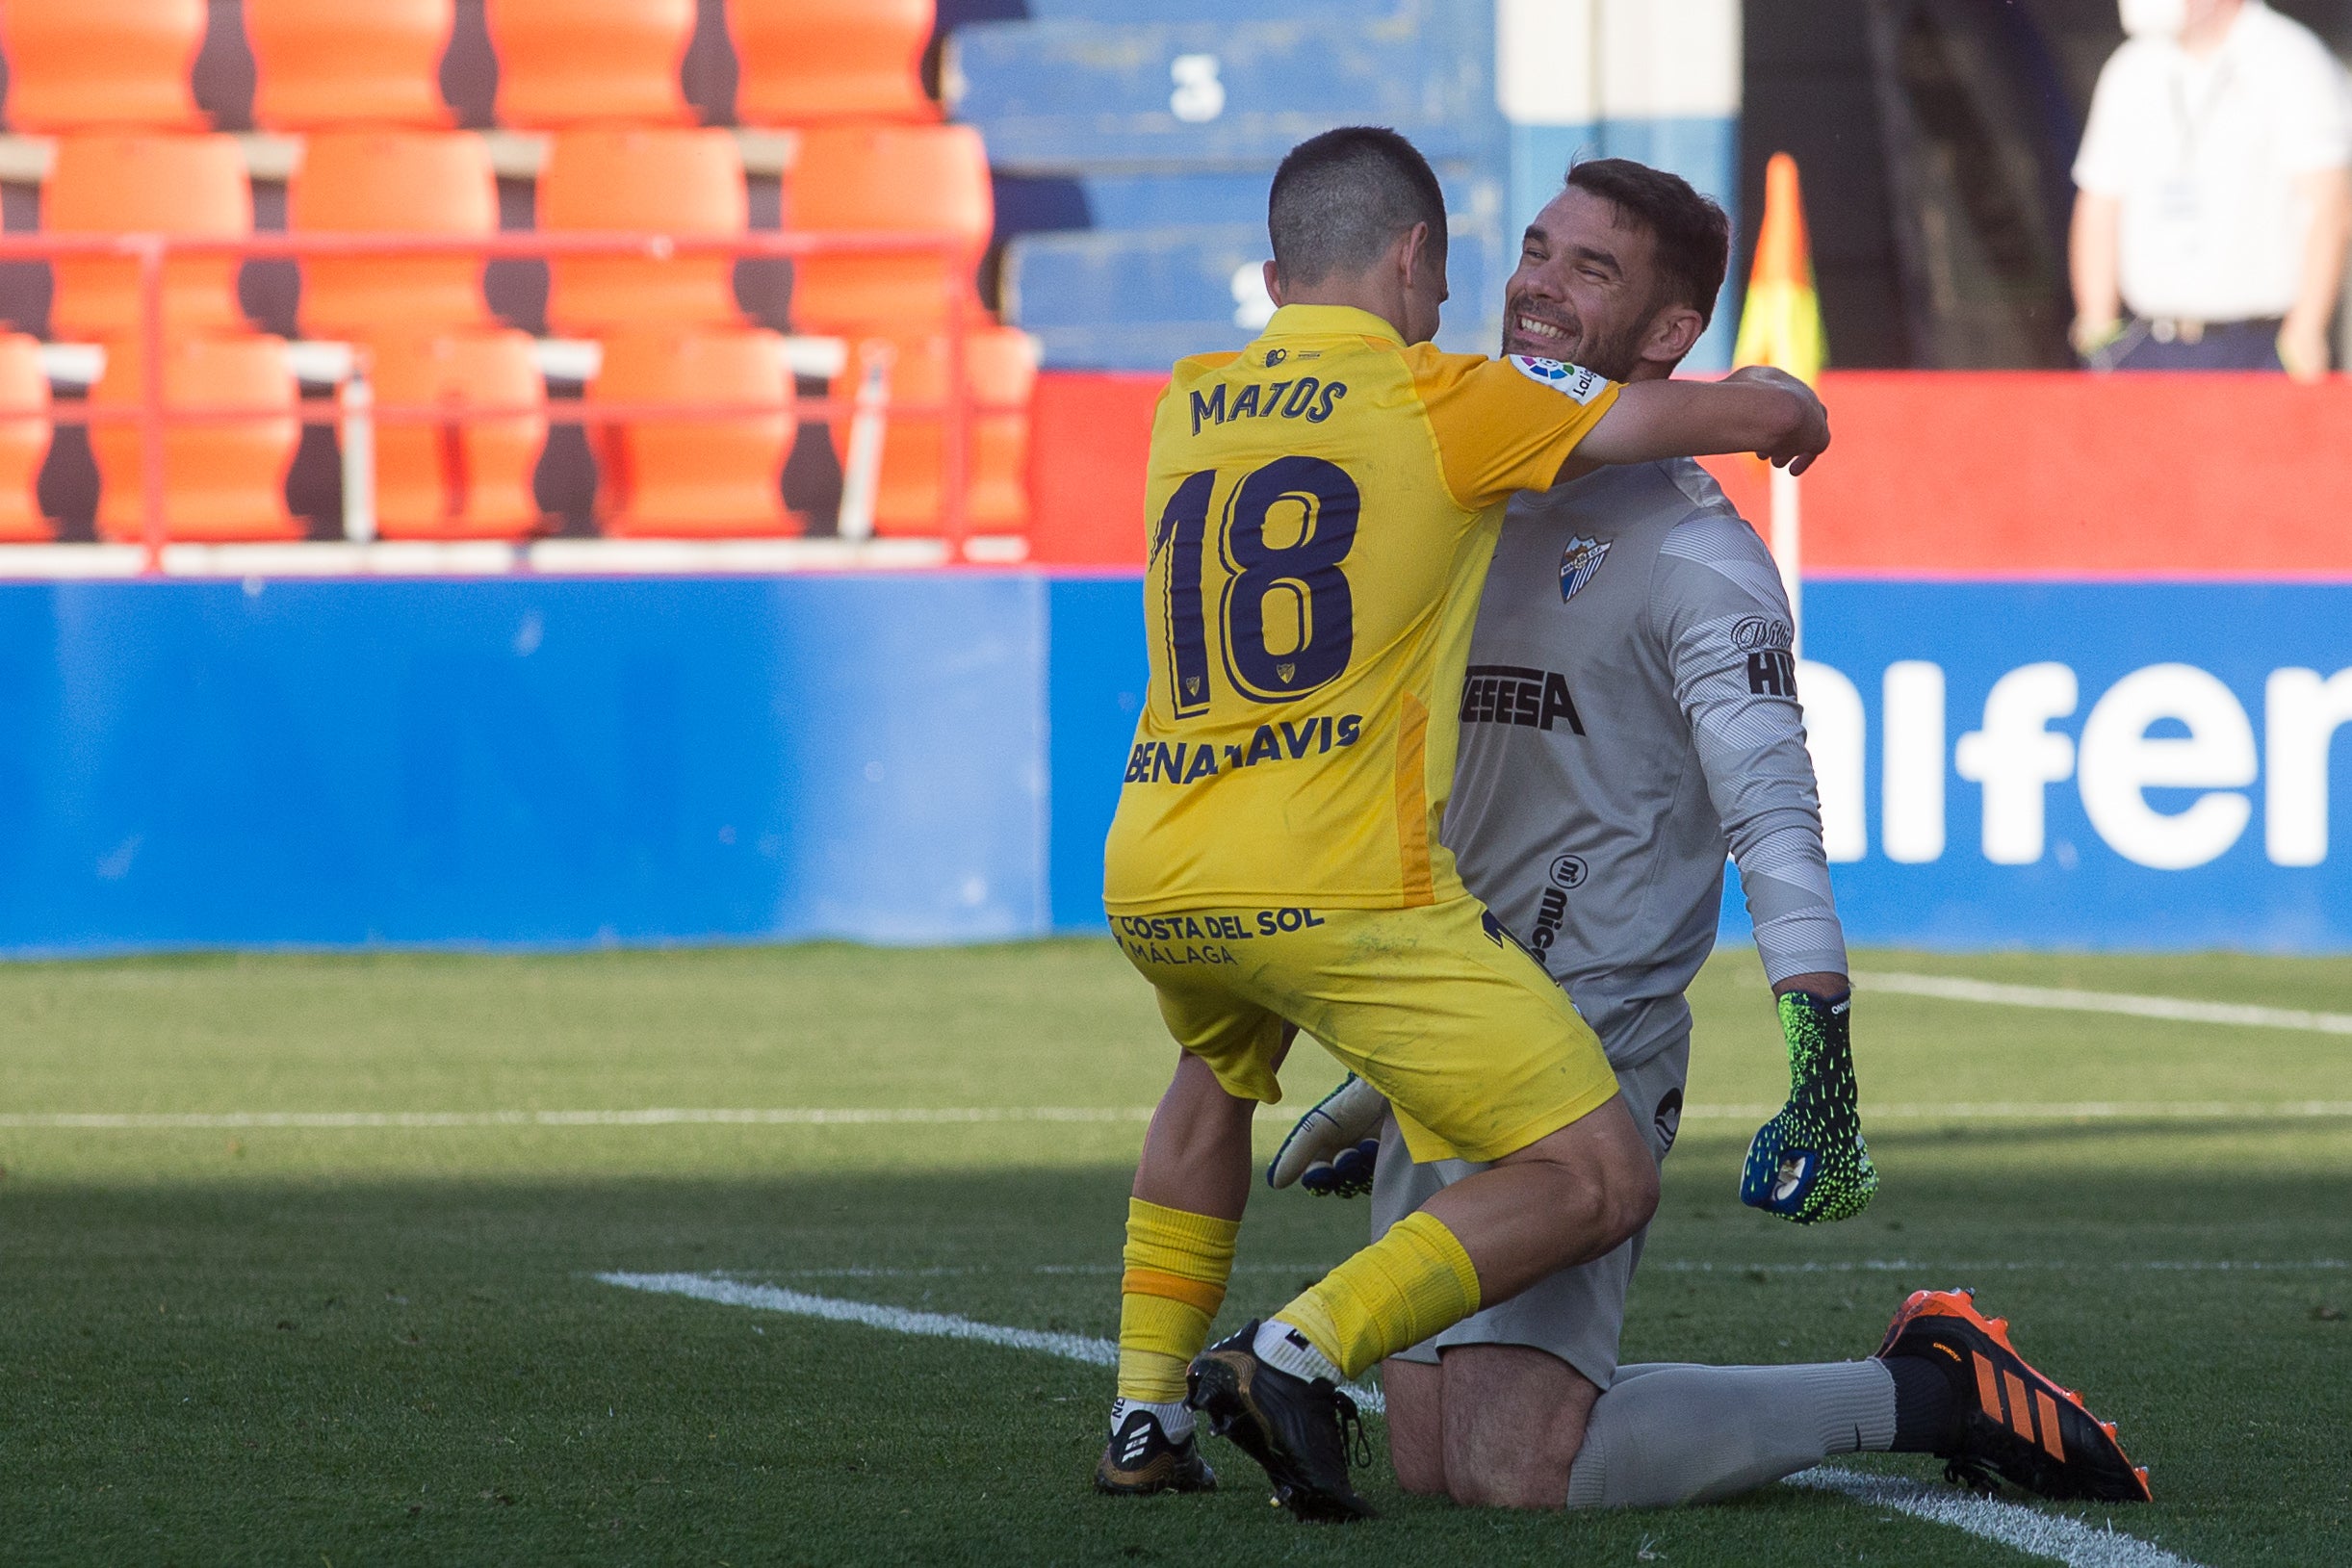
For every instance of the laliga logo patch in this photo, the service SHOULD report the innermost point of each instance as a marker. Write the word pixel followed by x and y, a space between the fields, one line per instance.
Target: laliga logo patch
pixel 1577 562
pixel 1573 380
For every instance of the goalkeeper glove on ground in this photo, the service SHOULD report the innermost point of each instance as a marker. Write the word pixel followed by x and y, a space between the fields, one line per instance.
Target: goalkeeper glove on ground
pixel 1330 1152
pixel 1809 1164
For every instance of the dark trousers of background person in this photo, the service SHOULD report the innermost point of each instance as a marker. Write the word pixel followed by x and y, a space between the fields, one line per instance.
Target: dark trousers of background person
pixel 2217 346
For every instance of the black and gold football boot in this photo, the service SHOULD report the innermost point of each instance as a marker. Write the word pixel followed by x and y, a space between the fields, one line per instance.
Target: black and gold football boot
pixel 1299 1430
pixel 1142 1459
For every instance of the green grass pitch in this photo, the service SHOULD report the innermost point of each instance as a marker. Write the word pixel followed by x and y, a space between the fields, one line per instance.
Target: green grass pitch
pixel 386 1345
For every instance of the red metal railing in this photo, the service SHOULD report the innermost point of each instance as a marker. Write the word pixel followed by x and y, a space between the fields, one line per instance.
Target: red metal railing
pixel 151 252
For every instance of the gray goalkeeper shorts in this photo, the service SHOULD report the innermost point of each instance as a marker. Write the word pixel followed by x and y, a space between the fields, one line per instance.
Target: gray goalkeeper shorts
pixel 1576 1314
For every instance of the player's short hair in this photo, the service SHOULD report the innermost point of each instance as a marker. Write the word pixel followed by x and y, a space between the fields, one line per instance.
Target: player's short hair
pixel 1692 234
pixel 1341 199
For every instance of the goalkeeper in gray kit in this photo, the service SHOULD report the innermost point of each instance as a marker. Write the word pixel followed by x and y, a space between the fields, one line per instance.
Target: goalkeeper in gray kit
pixel 1630 712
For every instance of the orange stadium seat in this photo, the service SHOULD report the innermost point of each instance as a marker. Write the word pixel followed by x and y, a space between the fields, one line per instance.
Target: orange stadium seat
pixel 1000 367
pixel 885 178
pixel 88 64
pixel 801 62
pixel 675 181
pixel 460 479
pixel 393 182
pixel 567 63
pixel 696 477
pixel 24 439
pixel 325 63
pixel 223 479
pixel 108 183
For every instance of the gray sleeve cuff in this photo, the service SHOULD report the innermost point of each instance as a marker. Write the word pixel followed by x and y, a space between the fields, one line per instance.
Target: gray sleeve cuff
pixel 1803 941
pixel 1785 876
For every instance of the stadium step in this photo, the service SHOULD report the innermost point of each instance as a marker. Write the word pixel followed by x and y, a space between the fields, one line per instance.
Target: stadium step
pixel 1139 298
pixel 1095 97
pixel 1026 204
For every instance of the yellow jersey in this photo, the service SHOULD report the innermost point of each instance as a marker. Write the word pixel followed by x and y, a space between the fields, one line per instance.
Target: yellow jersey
pixel 1322 507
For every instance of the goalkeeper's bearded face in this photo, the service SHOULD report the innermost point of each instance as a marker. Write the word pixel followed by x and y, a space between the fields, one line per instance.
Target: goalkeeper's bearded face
pixel 1582 289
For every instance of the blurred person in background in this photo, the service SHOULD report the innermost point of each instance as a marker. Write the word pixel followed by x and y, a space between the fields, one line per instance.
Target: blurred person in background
pixel 2211 194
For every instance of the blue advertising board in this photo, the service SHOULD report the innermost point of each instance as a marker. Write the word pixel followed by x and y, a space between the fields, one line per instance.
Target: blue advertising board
pixel 2030 764
pixel 935 757
pixel 521 762
pixel 2087 765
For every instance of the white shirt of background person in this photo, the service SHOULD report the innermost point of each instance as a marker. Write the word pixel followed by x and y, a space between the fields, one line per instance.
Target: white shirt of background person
pixel 2212 183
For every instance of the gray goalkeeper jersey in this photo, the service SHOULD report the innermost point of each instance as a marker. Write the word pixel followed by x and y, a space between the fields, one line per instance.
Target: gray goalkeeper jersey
pixel 1630 711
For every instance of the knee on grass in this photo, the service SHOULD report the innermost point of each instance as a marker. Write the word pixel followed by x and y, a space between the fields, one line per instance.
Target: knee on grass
pixel 1515 1419
pixel 1489 1426
pixel 1521 1479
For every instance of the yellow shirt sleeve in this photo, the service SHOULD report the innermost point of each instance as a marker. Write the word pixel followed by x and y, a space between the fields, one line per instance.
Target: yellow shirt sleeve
pixel 1507 424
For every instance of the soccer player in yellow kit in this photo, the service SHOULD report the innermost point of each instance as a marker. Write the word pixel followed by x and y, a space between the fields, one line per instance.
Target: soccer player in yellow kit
pixel 1322 507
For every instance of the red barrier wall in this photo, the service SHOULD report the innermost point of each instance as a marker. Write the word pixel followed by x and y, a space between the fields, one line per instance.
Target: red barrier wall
pixel 1940 474
pixel 1089 433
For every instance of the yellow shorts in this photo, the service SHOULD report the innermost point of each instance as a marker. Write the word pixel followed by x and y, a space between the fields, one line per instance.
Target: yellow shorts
pixel 1436 1006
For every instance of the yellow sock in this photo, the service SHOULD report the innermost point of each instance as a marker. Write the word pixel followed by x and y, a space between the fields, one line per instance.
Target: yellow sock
pixel 1177 1266
pixel 1412 1283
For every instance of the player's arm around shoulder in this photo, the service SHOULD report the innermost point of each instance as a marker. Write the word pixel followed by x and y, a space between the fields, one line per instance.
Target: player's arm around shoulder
pixel 1758 409
pixel 1503 426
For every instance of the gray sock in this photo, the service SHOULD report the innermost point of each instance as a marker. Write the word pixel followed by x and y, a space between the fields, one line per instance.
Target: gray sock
pixel 1666 1434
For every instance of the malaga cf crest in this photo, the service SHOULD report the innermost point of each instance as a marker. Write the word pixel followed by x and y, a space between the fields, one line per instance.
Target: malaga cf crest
pixel 1577 562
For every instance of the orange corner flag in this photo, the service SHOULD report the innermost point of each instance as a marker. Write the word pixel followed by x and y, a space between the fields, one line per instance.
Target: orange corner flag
pixel 1780 323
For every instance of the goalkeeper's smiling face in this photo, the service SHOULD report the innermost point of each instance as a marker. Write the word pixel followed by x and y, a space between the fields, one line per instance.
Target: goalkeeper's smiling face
pixel 1585 290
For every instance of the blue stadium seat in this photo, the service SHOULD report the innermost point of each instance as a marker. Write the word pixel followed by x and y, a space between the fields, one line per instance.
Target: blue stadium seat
pixel 1077 98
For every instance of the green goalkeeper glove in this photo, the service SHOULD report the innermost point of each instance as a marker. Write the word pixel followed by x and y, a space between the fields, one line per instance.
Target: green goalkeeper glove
pixel 1809 1164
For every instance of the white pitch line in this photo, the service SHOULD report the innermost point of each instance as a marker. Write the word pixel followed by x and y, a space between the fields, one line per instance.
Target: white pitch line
pixel 1093 1352
pixel 2179 1009
pixel 803 1115
pixel 2054 1536
pixel 2044 1535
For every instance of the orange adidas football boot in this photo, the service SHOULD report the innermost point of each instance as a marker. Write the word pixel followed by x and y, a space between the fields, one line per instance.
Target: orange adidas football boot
pixel 2015 1422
